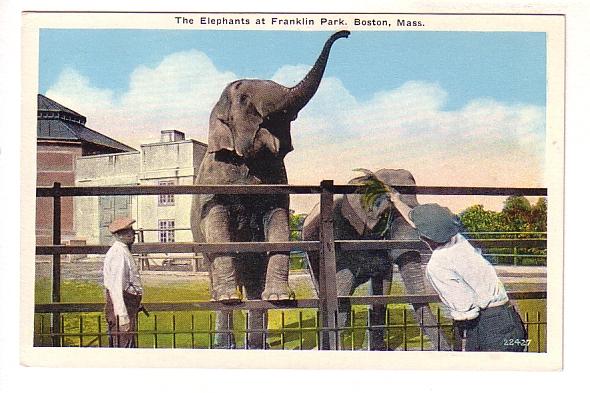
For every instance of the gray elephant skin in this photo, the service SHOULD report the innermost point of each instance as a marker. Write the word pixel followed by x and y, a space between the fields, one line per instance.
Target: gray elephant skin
pixel 249 136
pixel 354 268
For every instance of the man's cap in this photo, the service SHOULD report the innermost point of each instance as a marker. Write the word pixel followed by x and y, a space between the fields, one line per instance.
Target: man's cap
pixel 435 222
pixel 120 224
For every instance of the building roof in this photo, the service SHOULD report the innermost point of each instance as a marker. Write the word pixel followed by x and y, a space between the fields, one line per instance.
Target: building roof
pixel 56 122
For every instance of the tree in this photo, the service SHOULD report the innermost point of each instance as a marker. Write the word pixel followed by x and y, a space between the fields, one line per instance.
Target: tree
pixel 476 219
pixel 516 214
pixel 539 216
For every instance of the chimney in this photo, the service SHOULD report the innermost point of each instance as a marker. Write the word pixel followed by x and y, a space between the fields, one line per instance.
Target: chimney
pixel 171 136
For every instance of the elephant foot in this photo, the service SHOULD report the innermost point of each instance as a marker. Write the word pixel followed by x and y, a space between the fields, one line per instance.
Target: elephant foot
pixel 380 346
pixel 233 296
pixel 278 292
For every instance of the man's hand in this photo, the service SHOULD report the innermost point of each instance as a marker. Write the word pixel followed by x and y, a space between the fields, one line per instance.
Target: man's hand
pixel 394 196
pixel 125 327
pixel 401 206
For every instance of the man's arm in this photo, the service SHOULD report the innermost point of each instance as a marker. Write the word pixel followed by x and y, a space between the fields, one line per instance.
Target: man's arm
pixel 453 292
pixel 400 205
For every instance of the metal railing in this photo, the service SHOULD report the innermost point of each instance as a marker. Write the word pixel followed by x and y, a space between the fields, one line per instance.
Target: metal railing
pixel 191 325
pixel 327 302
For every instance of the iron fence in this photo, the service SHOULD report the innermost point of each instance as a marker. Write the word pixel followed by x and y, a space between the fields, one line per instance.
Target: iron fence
pixel 291 325
pixel 325 328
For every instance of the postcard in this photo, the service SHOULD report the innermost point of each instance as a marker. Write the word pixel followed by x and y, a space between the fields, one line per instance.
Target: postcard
pixel 293 190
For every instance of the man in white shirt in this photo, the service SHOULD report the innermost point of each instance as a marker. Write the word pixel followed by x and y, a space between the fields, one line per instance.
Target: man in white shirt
pixel 465 281
pixel 122 286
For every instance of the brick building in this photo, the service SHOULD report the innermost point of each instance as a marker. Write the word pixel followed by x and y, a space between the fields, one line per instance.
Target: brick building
pixel 62 138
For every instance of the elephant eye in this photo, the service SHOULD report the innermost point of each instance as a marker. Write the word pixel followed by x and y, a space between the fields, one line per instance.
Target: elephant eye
pixel 243 98
pixel 382 200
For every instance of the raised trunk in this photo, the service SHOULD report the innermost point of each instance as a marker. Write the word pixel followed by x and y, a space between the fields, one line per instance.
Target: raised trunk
pixel 299 95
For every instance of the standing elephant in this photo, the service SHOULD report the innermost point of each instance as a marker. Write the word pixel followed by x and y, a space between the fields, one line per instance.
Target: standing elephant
pixel 353 268
pixel 249 136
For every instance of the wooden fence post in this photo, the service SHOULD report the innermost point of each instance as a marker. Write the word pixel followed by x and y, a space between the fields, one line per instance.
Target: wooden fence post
pixel 328 294
pixel 144 260
pixel 56 266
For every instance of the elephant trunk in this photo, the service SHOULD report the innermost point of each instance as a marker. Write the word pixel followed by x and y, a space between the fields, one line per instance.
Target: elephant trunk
pixel 413 277
pixel 299 95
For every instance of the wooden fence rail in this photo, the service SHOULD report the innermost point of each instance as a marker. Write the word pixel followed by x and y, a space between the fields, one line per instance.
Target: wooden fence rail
pixel 328 300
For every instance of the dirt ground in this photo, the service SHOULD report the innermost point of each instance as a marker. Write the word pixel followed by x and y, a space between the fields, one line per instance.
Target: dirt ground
pixel 91 270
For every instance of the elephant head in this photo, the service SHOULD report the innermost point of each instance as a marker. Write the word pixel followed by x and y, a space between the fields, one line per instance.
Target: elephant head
pixel 375 218
pixel 255 115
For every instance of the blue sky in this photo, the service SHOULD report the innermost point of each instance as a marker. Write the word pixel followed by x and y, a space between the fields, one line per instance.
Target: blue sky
pixel 454 108
pixel 509 67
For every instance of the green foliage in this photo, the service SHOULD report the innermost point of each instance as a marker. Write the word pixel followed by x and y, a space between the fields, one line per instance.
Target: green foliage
pixel 517 217
pixel 372 189
pixel 295 225
pixel 538 216
pixel 476 219
pixel 517 213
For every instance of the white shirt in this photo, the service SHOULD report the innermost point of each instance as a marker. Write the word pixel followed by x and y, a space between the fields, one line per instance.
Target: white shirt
pixel 464 280
pixel 121 274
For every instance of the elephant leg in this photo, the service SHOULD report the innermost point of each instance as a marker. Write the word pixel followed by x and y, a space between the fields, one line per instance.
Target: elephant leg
pixel 252 270
pixel 413 277
pixel 216 228
pixel 345 286
pixel 277 273
pixel 379 286
pixel 224 321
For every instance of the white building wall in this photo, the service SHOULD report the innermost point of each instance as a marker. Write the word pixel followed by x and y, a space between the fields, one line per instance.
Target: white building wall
pixel 176 161
pixel 108 169
pixel 101 170
pixel 169 161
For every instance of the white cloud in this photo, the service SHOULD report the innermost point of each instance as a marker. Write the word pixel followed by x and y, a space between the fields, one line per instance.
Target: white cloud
pixel 69 87
pixel 485 143
pixel 178 93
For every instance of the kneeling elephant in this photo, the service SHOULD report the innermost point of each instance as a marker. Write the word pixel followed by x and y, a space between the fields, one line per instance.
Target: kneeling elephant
pixel 354 268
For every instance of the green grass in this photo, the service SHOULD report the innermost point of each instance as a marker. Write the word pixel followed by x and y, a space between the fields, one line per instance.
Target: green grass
pixel 190 329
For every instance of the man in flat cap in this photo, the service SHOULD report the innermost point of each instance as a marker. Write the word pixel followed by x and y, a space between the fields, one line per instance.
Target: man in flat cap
pixel 123 286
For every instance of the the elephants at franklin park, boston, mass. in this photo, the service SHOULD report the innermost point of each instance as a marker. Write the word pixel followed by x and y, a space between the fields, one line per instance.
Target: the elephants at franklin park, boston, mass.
pixel 249 136
pixel 381 221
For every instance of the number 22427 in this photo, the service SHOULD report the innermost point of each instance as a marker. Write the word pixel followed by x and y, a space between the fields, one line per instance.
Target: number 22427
pixel 517 342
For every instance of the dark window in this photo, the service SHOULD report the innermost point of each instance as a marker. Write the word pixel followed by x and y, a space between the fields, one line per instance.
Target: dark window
pixel 166 199
pixel 166 231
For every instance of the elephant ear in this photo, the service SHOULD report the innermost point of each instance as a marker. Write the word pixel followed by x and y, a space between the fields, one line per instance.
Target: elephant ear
pixel 354 206
pixel 361 218
pixel 220 134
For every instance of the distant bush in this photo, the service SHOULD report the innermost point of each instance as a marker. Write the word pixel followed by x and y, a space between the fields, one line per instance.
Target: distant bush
pixel 517 216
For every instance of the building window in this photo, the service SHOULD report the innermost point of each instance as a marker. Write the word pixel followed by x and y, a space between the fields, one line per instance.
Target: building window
pixel 166 199
pixel 166 231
